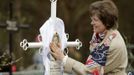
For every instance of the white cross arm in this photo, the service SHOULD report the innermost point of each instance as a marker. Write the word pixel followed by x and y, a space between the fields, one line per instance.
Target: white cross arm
pixel 25 44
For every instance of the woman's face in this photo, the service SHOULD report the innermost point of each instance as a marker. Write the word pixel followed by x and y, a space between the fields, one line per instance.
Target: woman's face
pixel 98 26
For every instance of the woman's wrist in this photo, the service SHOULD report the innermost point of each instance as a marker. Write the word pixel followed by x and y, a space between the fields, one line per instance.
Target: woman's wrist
pixel 64 60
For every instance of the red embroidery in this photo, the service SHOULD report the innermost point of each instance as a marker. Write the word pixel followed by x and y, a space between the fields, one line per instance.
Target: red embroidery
pixel 90 61
pixel 96 72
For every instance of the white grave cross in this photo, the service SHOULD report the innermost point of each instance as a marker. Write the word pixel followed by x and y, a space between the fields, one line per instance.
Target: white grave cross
pixel 48 30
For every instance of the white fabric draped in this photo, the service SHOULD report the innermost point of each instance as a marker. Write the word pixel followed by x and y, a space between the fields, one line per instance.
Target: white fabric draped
pixel 47 30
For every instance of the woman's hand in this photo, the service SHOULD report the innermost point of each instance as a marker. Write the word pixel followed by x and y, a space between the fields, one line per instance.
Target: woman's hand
pixel 56 51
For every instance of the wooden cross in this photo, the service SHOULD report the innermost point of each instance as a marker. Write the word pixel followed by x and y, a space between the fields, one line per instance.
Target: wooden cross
pixel 11 26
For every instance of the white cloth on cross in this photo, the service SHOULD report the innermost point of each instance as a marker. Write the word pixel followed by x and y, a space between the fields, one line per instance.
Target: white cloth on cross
pixel 47 31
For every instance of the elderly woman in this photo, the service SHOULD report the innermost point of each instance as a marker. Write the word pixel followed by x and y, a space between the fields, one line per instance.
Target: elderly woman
pixel 108 50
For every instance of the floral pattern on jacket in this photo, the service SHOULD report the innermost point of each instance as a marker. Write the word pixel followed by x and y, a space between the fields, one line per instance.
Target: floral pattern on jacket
pixel 99 52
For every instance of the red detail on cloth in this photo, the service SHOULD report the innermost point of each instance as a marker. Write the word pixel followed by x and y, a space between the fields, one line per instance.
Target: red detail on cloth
pixel 96 72
pixel 89 61
pixel 113 34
